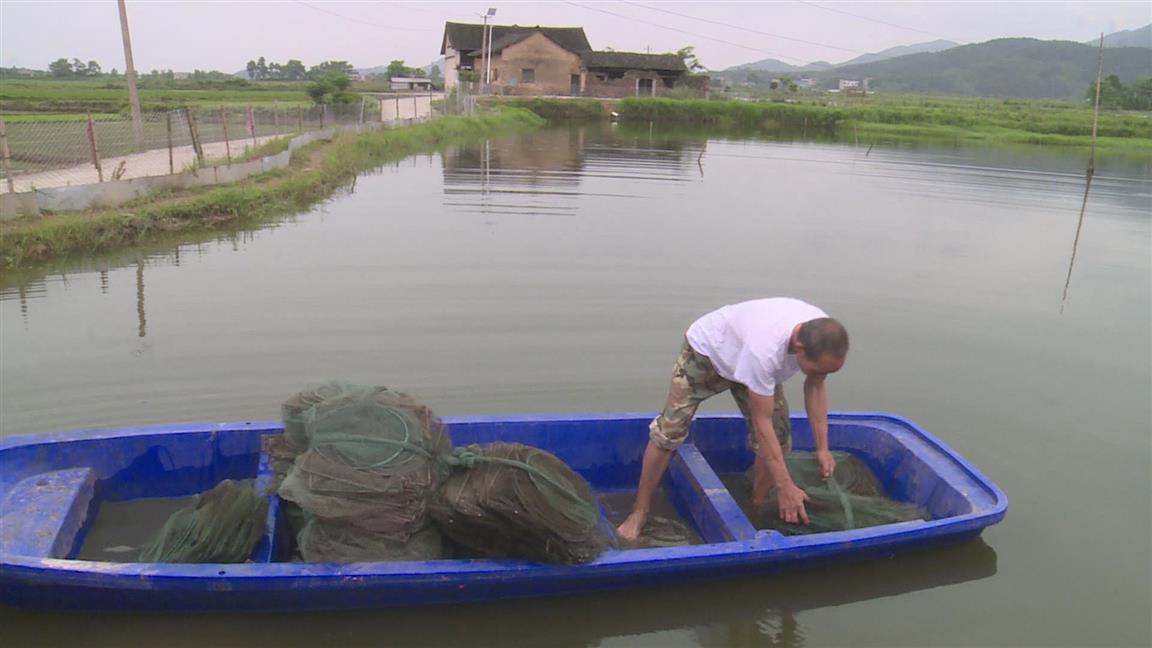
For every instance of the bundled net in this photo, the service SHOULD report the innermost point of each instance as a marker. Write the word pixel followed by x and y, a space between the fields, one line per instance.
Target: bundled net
pixel 852 498
pixel 363 473
pixel 507 500
pixel 223 525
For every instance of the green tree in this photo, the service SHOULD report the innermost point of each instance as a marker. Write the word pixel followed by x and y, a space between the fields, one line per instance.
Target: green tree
pixel 93 69
pixel 251 69
pixel 262 68
pixel 688 55
pixel 330 88
pixel 337 67
pixel 397 69
pixel 78 68
pixel 61 68
pixel 293 70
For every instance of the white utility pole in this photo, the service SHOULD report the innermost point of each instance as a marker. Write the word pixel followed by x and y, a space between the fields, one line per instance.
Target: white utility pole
pixel 488 57
pixel 130 74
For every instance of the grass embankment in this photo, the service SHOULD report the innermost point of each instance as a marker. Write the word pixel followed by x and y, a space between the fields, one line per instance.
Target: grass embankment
pixel 317 170
pixel 979 120
pixel 552 109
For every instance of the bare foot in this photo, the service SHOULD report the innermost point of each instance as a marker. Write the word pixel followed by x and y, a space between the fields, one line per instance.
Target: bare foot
pixel 631 528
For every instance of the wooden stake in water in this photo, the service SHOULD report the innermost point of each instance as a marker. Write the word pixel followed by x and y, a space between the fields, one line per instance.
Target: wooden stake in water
pixel 95 149
pixel 7 155
pixel 1091 172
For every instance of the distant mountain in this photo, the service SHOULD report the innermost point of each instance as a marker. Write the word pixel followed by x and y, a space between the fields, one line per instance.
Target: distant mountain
pixel 1009 67
pixel 1141 37
pixel 903 50
pixel 765 65
pixel 780 67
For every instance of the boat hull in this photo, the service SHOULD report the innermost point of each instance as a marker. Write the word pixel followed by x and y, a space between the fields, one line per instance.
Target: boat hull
pixel 606 449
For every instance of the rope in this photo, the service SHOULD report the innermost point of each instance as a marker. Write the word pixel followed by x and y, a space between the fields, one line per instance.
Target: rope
pixel 459 457
pixel 849 516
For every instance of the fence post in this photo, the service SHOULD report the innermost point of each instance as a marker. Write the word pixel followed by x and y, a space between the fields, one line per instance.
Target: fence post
pixel 95 150
pixel 299 119
pixel 7 155
pixel 323 108
pixel 276 115
pixel 195 136
pixel 227 144
pixel 171 162
pixel 415 109
pixel 362 100
pixel 252 125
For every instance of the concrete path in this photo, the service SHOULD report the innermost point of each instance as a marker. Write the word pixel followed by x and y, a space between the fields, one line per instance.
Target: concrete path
pixel 137 165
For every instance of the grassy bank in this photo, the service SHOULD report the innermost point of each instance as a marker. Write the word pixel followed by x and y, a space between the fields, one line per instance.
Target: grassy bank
pixel 568 109
pixel 982 120
pixel 316 171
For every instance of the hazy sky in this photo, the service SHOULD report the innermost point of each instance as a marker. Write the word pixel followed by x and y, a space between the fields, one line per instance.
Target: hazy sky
pixel 224 35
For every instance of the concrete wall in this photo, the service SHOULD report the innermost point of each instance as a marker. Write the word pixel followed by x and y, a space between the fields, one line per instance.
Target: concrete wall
pixel 554 67
pixel 118 192
pixel 628 86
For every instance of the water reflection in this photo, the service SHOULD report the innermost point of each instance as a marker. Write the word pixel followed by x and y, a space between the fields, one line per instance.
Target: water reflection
pixel 547 172
pixel 765 610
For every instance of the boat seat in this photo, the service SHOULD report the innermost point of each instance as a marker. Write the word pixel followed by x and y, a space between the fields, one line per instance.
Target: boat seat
pixel 43 514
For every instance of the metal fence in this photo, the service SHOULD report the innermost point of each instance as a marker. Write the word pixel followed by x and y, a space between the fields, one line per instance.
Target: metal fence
pixel 82 149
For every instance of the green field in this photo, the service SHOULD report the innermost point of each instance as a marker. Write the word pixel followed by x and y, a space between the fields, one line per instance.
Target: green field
pixel 25 96
pixel 990 121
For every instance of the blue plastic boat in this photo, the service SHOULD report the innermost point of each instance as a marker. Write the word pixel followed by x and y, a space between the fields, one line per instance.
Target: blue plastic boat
pixel 52 487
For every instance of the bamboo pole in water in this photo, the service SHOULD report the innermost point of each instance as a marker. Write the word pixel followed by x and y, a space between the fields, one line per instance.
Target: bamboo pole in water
pixel 1090 173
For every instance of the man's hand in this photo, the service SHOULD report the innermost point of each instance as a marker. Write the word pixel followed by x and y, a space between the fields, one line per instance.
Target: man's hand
pixel 827 463
pixel 632 527
pixel 792 499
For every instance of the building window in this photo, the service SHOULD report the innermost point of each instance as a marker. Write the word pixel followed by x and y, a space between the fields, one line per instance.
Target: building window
pixel 528 75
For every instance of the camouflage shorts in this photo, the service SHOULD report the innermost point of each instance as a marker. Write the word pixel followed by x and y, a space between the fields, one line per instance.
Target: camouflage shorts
pixel 694 380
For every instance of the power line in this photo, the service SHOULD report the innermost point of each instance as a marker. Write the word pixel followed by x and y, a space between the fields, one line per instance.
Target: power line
pixel 875 20
pixel 652 24
pixel 359 21
pixel 753 31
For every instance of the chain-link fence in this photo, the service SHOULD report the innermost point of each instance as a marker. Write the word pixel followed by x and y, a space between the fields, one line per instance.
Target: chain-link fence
pixel 80 149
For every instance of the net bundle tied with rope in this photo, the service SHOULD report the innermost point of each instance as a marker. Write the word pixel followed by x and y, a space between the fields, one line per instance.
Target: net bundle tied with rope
pixel 371 469
pixel 508 500
pixel 363 472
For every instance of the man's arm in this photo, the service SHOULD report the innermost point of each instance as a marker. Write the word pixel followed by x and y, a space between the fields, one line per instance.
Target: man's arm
pixel 816 404
pixel 656 461
pixel 770 458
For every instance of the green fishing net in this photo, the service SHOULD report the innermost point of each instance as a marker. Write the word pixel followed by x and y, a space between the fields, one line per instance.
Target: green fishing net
pixel 507 500
pixel 365 469
pixel 223 525
pixel 369 474
pixel 852 498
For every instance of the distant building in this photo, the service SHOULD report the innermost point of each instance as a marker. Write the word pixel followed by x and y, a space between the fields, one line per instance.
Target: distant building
pixel 410 83
pixel 535 61
pixel 853 86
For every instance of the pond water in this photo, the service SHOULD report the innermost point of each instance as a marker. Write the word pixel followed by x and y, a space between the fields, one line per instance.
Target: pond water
pixel 557 271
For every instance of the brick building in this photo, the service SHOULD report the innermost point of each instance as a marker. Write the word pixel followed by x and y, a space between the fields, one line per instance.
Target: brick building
pixel 557 61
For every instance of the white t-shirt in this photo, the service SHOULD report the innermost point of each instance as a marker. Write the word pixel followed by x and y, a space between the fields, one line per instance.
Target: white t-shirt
pixel 748 342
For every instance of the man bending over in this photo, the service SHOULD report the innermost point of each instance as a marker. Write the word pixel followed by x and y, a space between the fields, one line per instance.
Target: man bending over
pixel 749 348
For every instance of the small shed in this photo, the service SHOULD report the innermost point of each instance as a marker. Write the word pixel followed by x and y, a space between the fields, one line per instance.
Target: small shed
pixel 410 83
